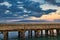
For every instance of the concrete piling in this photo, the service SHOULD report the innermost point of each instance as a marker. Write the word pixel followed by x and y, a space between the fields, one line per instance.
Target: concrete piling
pixel 5 35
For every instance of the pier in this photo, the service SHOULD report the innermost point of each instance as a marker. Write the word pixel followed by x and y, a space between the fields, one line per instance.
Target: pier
pixel 23 27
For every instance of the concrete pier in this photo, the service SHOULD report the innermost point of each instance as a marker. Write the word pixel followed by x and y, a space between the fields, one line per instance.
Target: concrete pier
pixel 22 28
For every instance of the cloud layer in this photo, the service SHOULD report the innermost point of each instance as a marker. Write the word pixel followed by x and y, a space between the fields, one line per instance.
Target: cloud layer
pixel 30 10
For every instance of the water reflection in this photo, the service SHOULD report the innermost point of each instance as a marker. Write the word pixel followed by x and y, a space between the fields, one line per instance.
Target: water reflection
pixel 35 38
pixel 14 36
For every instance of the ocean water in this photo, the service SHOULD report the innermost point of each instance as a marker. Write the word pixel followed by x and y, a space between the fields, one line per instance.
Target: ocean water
pixel 14 36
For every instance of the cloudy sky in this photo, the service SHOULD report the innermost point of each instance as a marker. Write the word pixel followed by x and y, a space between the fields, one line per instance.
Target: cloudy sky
pixel 28 10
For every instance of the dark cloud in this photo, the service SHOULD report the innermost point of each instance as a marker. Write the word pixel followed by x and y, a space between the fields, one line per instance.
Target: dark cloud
pixel 49 11
pixel 15 9
pixel 36 10
pixel 32 6
pixel 3 8
pixel 51 1
pixel 1 1
pixel 42 12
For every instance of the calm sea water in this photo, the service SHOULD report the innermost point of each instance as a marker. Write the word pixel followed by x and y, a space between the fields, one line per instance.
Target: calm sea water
pixel 14 36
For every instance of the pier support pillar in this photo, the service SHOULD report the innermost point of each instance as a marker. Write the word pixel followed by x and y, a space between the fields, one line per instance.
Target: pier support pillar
pixel 19 35
pixel 5 35
pixel 57 30
pixel 51 32
pixel 23 34
pixel 37 33
pixel 30 33
pixel 41 32
pixel 46 32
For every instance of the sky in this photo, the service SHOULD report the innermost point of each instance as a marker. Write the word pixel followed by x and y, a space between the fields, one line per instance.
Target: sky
pixel 29 10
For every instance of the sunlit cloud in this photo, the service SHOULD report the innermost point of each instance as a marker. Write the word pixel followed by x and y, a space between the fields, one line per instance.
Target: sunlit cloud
pixel 50 17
